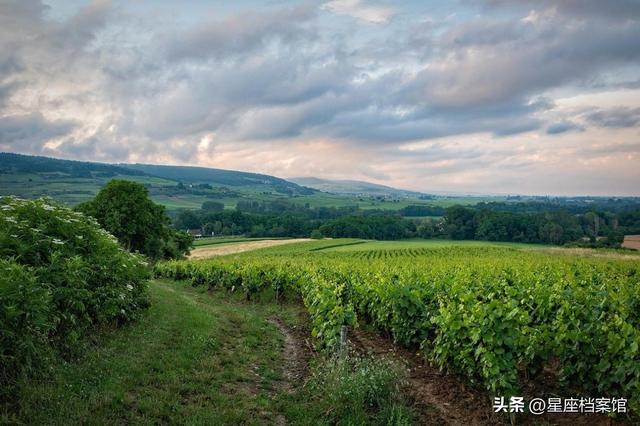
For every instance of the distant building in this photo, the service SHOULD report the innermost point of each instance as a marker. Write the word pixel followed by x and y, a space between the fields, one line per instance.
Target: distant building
pixel 631 242
pixel 195 233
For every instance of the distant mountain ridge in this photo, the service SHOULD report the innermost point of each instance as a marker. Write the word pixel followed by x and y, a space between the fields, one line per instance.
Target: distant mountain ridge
pixel 11 163
pixel 352 187
pixel 19 163
pixel 194 174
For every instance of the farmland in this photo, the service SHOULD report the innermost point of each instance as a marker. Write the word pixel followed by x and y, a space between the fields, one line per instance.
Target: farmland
pixel 249 337
pixel 497 316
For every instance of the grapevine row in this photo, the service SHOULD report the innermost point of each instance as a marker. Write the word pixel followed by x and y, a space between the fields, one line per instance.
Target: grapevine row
pixel 492 315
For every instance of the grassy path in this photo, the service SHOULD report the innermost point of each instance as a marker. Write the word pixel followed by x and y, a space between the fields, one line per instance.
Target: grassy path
pixel 193 359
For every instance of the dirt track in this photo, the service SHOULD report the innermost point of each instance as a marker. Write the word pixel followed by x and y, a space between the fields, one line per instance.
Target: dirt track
pixel 232 248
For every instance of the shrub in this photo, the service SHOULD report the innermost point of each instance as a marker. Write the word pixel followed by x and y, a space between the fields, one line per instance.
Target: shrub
pixel 316 234
pixel 61 275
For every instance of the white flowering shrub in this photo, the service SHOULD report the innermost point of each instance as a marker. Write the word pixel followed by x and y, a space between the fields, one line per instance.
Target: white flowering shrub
pixel 61 276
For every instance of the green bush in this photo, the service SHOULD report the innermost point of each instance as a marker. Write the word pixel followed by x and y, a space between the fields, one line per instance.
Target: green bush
pixel 61 275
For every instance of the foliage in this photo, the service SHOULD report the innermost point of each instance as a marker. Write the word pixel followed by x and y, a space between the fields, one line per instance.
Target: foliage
pixel 124 209
pixel 422 210
pixel 60 276
pixel 491 314
pixel 379 227
pixel 212 206
pixel 555 226
pixel 316 234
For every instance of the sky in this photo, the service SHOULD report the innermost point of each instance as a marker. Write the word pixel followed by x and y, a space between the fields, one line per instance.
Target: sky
pixel 487 96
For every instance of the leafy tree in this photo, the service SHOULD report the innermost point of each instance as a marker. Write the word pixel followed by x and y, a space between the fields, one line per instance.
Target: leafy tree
pixel 125 210
pixel 188 219
pixel 212 206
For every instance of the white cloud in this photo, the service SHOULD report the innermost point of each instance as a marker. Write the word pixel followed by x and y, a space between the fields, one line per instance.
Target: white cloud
pixel 359 10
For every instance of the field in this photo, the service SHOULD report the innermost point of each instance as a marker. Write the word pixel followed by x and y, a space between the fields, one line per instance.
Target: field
pixel 210 241
pixel 632 242
pixel 420 244
pixel 248 338
pixel 207 251
pixel 497 315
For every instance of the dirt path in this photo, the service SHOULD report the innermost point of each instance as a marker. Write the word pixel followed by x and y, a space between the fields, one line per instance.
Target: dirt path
pixel 232 248
pixel 295 354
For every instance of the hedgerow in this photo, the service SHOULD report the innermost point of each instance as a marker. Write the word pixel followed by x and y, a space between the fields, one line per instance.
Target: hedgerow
pixel 492 315
pixel 61 276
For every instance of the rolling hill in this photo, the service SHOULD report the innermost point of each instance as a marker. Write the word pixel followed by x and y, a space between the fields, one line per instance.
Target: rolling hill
pixel 174 186
pixel 353 187
pixel 205 175
pixel 180 187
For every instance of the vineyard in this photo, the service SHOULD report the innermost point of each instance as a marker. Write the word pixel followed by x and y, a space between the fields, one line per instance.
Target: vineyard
pixel 493 315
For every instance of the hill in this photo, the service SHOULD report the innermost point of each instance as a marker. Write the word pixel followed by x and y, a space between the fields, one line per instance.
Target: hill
pixel 179 187
pixel 353 187
pixel 204 175
pixel 72 182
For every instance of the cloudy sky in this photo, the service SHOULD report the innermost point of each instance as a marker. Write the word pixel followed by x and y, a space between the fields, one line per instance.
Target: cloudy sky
pixel 492 96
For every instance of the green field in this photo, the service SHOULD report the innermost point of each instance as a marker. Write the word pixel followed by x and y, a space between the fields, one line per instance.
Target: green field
pixel 368 245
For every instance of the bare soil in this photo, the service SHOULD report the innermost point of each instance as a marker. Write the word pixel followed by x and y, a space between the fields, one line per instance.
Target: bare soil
pixel 588 252
pixel 232 248
pixel 296 353
pixel 632 242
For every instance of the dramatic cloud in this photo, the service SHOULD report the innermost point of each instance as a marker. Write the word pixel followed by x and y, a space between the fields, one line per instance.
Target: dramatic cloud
pixel 471 96
pixel 29 130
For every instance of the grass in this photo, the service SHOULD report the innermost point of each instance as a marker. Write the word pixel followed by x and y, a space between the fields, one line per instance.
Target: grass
pixel 190 357
pixel 200 358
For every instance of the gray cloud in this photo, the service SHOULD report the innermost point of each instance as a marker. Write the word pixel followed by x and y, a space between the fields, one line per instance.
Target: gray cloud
pixel 615 117
pixel 30 131
pixel 563 127
pixel 241 34
pixel 484 62
pixel 627 9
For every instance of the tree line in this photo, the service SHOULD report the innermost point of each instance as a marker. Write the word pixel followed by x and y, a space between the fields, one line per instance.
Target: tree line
pixel 282 219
